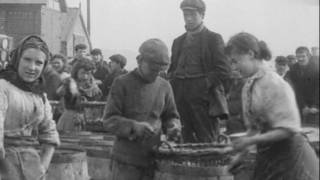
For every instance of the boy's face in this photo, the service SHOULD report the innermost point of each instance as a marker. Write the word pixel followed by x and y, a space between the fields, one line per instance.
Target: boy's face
pixel 151 69
pixel 81 53
pixel 114 66
pixel 96 57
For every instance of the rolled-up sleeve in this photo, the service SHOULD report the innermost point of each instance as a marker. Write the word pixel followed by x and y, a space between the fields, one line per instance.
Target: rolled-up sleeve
pixel 48 133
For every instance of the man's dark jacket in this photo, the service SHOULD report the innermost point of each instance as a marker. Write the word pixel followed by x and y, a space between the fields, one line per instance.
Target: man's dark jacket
pixel 214 63
pixel 305 80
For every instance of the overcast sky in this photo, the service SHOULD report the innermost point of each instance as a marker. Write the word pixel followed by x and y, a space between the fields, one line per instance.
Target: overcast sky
pixel 125 24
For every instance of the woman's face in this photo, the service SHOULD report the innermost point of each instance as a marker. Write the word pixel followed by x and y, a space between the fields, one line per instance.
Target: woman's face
pixel 84 75
pixel 57 64
pixel 245 64
pixel 31 64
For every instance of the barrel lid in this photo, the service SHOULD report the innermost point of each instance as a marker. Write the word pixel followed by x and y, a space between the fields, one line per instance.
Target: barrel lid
pixel 68 154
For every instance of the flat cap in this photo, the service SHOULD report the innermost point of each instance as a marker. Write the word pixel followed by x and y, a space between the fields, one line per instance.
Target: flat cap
pixel 119 59
pixel 96 51
pixel 155 50
pixel 281 60
pixel 193 5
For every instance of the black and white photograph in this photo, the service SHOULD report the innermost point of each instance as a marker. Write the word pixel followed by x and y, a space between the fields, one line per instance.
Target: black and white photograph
pixel 159 90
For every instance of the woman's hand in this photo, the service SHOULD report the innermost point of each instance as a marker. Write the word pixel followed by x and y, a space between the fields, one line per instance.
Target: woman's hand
pixel 242 143
pixel 46 154
pixel 235 165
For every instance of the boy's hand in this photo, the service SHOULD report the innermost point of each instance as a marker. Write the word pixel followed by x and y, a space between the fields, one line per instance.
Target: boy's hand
pixel 143 130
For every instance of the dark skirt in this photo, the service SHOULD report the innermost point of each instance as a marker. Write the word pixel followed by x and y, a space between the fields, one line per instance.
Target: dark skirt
pixel 290 159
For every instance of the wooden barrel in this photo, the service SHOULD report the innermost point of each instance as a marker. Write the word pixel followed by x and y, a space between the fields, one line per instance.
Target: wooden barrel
pixel 98 155
pixel 189 162
pixel 247 167
pixel 68 164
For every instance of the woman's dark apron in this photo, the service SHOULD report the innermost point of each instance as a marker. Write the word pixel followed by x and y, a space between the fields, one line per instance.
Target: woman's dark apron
pixel 290 159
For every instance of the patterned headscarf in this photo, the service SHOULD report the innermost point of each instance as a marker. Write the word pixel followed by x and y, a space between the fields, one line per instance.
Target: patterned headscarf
pixel 11 72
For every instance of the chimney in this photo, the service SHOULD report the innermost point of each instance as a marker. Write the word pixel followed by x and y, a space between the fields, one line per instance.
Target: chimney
pixel 88 17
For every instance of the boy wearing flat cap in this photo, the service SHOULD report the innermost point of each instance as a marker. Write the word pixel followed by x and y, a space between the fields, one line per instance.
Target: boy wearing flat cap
pixel 116 69
pixel 102 67
pixel 140 107
pixel 198 74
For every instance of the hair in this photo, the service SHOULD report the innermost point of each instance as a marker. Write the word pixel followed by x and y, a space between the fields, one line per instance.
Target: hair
pixel 291 56
pixel 80 46
pixel 82 63
pixel 244 42
pixel 303 49
pixel 120 59
pixel 96 51
pixel 59 56
pixel 281 60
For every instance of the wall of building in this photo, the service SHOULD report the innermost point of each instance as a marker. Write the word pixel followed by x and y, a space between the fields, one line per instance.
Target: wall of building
pixel 18 20
pixel 51 28
pixel 77 36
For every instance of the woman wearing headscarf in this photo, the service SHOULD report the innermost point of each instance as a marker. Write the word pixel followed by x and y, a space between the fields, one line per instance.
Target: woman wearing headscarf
pixel 25 113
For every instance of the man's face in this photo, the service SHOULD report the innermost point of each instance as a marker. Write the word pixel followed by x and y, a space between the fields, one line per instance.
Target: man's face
pixel 281 68
pixel 302 58
pixel 192 18
pixel 81 53
pixel 96 57
pixel 114 66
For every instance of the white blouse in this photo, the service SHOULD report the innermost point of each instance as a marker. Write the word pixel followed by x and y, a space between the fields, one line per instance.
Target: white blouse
pixel 269 102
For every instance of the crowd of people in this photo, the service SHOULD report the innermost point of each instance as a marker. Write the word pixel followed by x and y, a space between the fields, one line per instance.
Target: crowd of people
pixel 188 97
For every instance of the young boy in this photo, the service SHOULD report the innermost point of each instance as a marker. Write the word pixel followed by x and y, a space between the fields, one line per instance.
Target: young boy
pixel 139 107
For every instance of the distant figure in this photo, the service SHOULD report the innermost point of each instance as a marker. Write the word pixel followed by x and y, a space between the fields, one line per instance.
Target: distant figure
pixel 79 88
pixel 282 67
pixel 198 74
pixel 80 52
pixel 292 60
pixel 102 67
pixel 59 64
pixel 117 64
pixel 52 80
pixel 305 79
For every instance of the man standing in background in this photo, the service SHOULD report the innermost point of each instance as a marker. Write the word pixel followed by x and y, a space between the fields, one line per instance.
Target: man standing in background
pixel 198 73
pixel 305 79
pixel 80 51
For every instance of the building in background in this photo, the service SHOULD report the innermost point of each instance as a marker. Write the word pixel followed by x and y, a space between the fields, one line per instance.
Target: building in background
pixel 60 26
